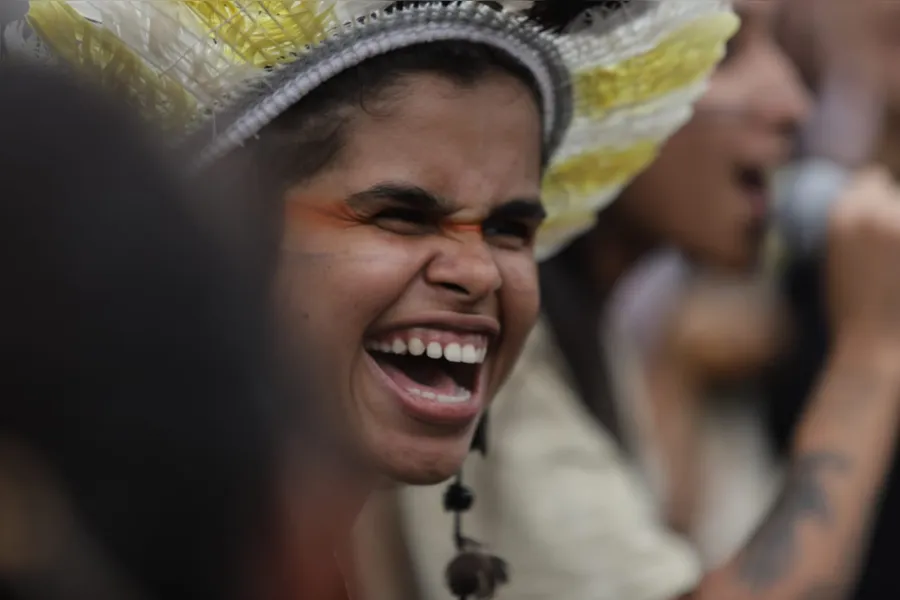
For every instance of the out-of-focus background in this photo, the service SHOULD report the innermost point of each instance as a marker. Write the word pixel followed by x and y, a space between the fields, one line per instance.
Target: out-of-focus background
pixel 153 444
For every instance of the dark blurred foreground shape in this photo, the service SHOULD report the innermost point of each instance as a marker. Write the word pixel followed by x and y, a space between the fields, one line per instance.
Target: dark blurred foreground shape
pixel 133 350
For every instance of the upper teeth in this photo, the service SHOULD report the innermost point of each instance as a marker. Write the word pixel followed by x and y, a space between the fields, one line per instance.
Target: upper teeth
pixel 452 351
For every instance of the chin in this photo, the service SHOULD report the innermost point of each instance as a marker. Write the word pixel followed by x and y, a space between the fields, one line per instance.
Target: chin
pixel 730 258
pixel 748 260
pixel 737 263
pixel 417 459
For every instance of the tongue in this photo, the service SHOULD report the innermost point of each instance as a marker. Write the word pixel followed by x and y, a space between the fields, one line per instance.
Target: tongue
pixel 422 373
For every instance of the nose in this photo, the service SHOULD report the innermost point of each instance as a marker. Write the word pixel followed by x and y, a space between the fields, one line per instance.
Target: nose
pixel 465 266
pixel 782 100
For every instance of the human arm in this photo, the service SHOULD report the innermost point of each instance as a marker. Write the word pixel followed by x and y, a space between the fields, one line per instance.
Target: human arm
pixel 814 536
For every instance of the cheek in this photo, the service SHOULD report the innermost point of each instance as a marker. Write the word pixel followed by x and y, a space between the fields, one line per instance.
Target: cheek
pixel 659 199
pixel 351 276
pixel 694 167
pixel 704 140
pixel 519 307
pixel 519 296
pixel 671 199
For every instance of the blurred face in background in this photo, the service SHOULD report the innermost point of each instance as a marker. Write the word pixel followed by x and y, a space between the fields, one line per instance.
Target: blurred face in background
pixel 708 193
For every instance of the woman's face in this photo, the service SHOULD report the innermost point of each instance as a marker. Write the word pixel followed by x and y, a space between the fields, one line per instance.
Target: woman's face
pixel 412 257
pixel 708 193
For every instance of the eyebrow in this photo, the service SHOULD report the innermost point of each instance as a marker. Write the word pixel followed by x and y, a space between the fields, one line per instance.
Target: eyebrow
pixel 530 209
pixel 411 196
pixel 415 197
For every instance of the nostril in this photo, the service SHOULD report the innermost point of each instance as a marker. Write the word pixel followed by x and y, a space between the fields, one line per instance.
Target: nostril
pixel 453 287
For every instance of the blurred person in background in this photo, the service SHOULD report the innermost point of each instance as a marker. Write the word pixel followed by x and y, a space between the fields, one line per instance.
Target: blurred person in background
pixel 848 55
pixel 692 344
pixel 405 164
pixel 556 496
pixel 137 438
pixel 714 467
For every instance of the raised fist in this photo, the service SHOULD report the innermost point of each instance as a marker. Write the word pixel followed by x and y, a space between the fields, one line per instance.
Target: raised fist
pixel 863 261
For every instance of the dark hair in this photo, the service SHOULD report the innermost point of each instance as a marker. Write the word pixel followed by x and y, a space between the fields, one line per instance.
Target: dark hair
pixel 570 302
pixel 309 136
pixel 134 344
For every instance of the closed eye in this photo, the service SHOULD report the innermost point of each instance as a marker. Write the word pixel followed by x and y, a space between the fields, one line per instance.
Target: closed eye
pixel 510 234
pixel 405 221
pixel 513 226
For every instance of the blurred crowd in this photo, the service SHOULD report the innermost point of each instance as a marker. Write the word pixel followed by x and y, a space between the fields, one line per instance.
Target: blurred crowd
pixel 323 362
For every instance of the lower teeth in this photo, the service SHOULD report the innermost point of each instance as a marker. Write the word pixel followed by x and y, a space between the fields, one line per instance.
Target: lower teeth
pixel 460 396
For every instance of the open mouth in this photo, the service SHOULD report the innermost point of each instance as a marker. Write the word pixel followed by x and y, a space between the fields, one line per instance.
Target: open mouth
pixel 754 181
pixel 433 365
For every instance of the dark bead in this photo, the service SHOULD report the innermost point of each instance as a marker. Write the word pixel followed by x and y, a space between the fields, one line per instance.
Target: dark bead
pixel 476 574
pixel 463 574
pixel 458 498
pixel 500 570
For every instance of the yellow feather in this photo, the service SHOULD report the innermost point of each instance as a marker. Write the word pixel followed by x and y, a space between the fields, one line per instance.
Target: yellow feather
pixel 98 53
pixel 265 32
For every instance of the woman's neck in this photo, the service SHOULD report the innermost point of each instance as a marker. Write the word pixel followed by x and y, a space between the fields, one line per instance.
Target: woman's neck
pixel 312 552
pixel 326 495
pixel 343 488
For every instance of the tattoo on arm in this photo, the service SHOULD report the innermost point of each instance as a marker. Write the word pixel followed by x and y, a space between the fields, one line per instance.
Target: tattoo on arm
pixel 772 551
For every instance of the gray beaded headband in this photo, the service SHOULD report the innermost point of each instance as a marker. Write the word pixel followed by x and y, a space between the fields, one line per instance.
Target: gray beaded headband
pixel 380 34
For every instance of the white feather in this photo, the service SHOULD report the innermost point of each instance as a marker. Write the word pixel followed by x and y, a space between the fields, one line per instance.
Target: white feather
pixel 167 37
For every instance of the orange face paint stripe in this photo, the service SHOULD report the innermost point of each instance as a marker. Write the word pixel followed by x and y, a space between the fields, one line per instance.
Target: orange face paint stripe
pixel 340 213
pixel 449 226
pixel 330 214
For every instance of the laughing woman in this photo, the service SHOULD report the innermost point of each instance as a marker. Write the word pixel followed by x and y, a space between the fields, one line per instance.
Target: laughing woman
pixel 406 155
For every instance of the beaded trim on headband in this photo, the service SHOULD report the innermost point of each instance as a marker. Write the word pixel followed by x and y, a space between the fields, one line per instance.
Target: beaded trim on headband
pixel 381 33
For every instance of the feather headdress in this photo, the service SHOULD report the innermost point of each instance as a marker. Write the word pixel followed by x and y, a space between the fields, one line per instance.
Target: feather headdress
pixel 616 82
